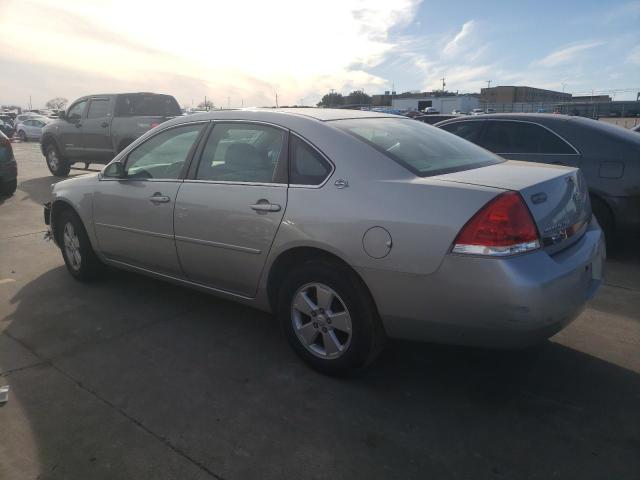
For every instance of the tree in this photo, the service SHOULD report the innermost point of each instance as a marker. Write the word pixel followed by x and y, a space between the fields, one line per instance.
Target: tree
pixel 331 100
pixel 206 105
pixel 57 103
pixel 357 97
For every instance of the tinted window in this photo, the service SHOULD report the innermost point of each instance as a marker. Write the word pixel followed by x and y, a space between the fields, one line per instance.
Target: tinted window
pixel 146 105
pixel 241 153
pixel 163 155
pixel 307 167
pixel 421 148
pixel 98 108
pixel 468 130
pixel 521 137
pixel 75 112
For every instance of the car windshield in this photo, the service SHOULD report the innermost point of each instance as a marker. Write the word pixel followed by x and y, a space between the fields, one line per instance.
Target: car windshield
pixel 423 149
pixel 147 105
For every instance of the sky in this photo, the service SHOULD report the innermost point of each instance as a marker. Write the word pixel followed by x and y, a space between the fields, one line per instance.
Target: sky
pixel 242 53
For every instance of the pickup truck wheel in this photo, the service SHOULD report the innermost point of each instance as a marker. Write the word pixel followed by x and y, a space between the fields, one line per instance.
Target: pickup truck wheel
pixel 57 165
pixel 79 257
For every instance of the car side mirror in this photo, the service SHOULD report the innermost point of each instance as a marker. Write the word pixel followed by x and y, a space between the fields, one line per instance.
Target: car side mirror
pixel 115 170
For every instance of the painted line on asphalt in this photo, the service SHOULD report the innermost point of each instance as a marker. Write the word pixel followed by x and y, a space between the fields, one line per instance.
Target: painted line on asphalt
pixel 6 280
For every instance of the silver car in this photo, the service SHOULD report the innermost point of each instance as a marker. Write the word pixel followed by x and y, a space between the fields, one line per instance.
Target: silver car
pixel 350 226
pixel 31 128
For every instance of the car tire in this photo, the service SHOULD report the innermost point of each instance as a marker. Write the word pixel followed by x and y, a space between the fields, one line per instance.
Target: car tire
pixel 81 261
pixel 605 218
pixel 315 335
pixel 58 166
pixel 9 187
pixel 22 136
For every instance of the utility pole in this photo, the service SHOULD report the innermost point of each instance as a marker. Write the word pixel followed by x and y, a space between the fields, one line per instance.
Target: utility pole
pixel 228 103
pixel 488 83
pixel 206 105
pixel 242 103
pixel 277 100
pixel 443 84
pixel 30 105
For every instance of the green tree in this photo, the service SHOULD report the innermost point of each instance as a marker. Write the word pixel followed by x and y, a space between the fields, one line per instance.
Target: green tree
pixel 206 105
pixel 331 100
pixel 357 97
pixel 57 103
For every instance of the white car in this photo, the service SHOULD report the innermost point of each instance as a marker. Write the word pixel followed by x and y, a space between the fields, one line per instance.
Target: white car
pixel 458 112
pixel 477 111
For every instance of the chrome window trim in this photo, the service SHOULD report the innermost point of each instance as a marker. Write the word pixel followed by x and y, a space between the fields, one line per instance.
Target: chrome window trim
pixel 321 153
pixel 577 152
pixel 228 182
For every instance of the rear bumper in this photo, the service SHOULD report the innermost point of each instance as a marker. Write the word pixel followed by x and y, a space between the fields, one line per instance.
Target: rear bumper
pixel 507 302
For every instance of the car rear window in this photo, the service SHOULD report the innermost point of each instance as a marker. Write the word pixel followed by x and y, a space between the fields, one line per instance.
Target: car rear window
pixel 421 148
pixel 146 105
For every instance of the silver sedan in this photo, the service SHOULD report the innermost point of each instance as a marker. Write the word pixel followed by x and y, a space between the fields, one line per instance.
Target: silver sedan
pixel 350 226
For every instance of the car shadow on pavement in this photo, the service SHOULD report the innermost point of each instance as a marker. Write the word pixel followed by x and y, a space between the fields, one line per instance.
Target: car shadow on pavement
pixel 136 374
pixel 38 189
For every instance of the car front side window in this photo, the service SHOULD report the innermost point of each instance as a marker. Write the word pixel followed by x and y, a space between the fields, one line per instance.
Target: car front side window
pixel 238 152
pixel 163 155
pixel 75 112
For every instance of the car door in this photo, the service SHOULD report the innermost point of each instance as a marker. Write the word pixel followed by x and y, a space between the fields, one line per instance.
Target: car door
pixel 528 141
pixel 37 126
pixel 133 215
pixel 229 209
pixel 96 137
pixel 70 131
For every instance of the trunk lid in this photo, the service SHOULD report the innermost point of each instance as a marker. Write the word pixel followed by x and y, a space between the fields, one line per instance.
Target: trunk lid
pixel 556 196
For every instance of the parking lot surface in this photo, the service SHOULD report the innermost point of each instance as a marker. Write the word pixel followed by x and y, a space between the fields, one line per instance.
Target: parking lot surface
pixel 130 377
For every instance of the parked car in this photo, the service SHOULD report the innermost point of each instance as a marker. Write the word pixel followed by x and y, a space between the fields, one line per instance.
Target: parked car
pixel 477 111
pixel 430 110
pixel 26 116
pixel 31 128
pixel 607 155
pixel 95 128
pixel 351 226
pixel 6 128
pixel 433 119
pixel 490 110
pixel 7 119
pixel 458 112
pixel 8 167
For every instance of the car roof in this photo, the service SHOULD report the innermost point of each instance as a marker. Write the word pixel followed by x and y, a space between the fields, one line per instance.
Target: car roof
pixel 278 115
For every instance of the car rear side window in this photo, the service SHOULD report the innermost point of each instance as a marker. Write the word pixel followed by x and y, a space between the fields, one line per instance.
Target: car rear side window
pixel 146 105
pixel 306 167
pixel 468 130
pixel 242 152
pixel 98 108
pixel 421 148
pixel 522 137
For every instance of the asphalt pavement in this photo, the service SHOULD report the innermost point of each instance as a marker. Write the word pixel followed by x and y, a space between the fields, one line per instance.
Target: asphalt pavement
pixel 133 378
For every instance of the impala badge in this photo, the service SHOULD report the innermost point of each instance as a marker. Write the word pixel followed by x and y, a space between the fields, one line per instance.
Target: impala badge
pixel 341 183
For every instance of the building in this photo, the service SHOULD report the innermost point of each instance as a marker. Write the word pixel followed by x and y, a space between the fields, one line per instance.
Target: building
pixel 594 109
pixel 590 98
pixel 443 103
pixel 513 94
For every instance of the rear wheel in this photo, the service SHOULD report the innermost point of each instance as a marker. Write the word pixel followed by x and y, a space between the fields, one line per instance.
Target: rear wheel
pixel 78 254
pixel 329 318
pixel 9 187
pixel 605 218
pixel 57 165
pixel 22 136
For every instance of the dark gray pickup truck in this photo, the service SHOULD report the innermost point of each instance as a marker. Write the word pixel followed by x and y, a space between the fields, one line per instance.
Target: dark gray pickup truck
pixel 96 127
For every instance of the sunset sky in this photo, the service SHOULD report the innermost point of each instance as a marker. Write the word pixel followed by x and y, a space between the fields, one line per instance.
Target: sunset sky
pixel 245 52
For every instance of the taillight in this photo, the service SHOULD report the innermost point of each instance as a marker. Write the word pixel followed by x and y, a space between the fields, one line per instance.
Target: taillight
pixel 504 226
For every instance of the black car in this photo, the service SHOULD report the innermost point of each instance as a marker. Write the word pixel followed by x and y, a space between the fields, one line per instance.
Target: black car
pixel 6 127
pixel 609 156
pixel 8 167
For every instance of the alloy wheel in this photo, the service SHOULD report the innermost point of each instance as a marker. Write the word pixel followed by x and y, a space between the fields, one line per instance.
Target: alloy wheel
pixel 72 246
pixel 321 321
pixel 52 158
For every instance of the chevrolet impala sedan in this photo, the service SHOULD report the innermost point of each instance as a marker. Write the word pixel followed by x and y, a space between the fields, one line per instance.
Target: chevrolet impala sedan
pixel 351 227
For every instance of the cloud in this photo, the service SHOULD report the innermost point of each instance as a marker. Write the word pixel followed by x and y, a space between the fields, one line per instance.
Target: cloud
pixel 565 54
pixel 454 45
pixel 248 50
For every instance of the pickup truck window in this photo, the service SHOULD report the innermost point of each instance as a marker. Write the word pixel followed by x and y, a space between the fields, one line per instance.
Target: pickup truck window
pixel 98 108
pixel 146 105
pixel 75 112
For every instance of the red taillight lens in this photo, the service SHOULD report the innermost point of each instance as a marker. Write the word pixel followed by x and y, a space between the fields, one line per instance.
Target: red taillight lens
pixel 502 227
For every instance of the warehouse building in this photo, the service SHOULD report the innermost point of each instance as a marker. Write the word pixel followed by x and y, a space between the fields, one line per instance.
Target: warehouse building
pixel 444 104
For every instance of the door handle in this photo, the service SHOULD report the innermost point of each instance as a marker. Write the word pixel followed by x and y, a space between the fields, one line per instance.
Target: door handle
pixel 266 207
pixel 159 198
pixel 104 124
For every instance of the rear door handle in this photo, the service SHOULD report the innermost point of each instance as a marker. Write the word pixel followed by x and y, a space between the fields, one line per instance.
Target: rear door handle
pixel 159 198
pixel 266 207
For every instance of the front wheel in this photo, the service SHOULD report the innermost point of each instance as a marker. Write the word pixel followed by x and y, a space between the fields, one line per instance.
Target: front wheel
pixel 22 136
pixel 78 254
pixel 57 165
pixel 329 318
